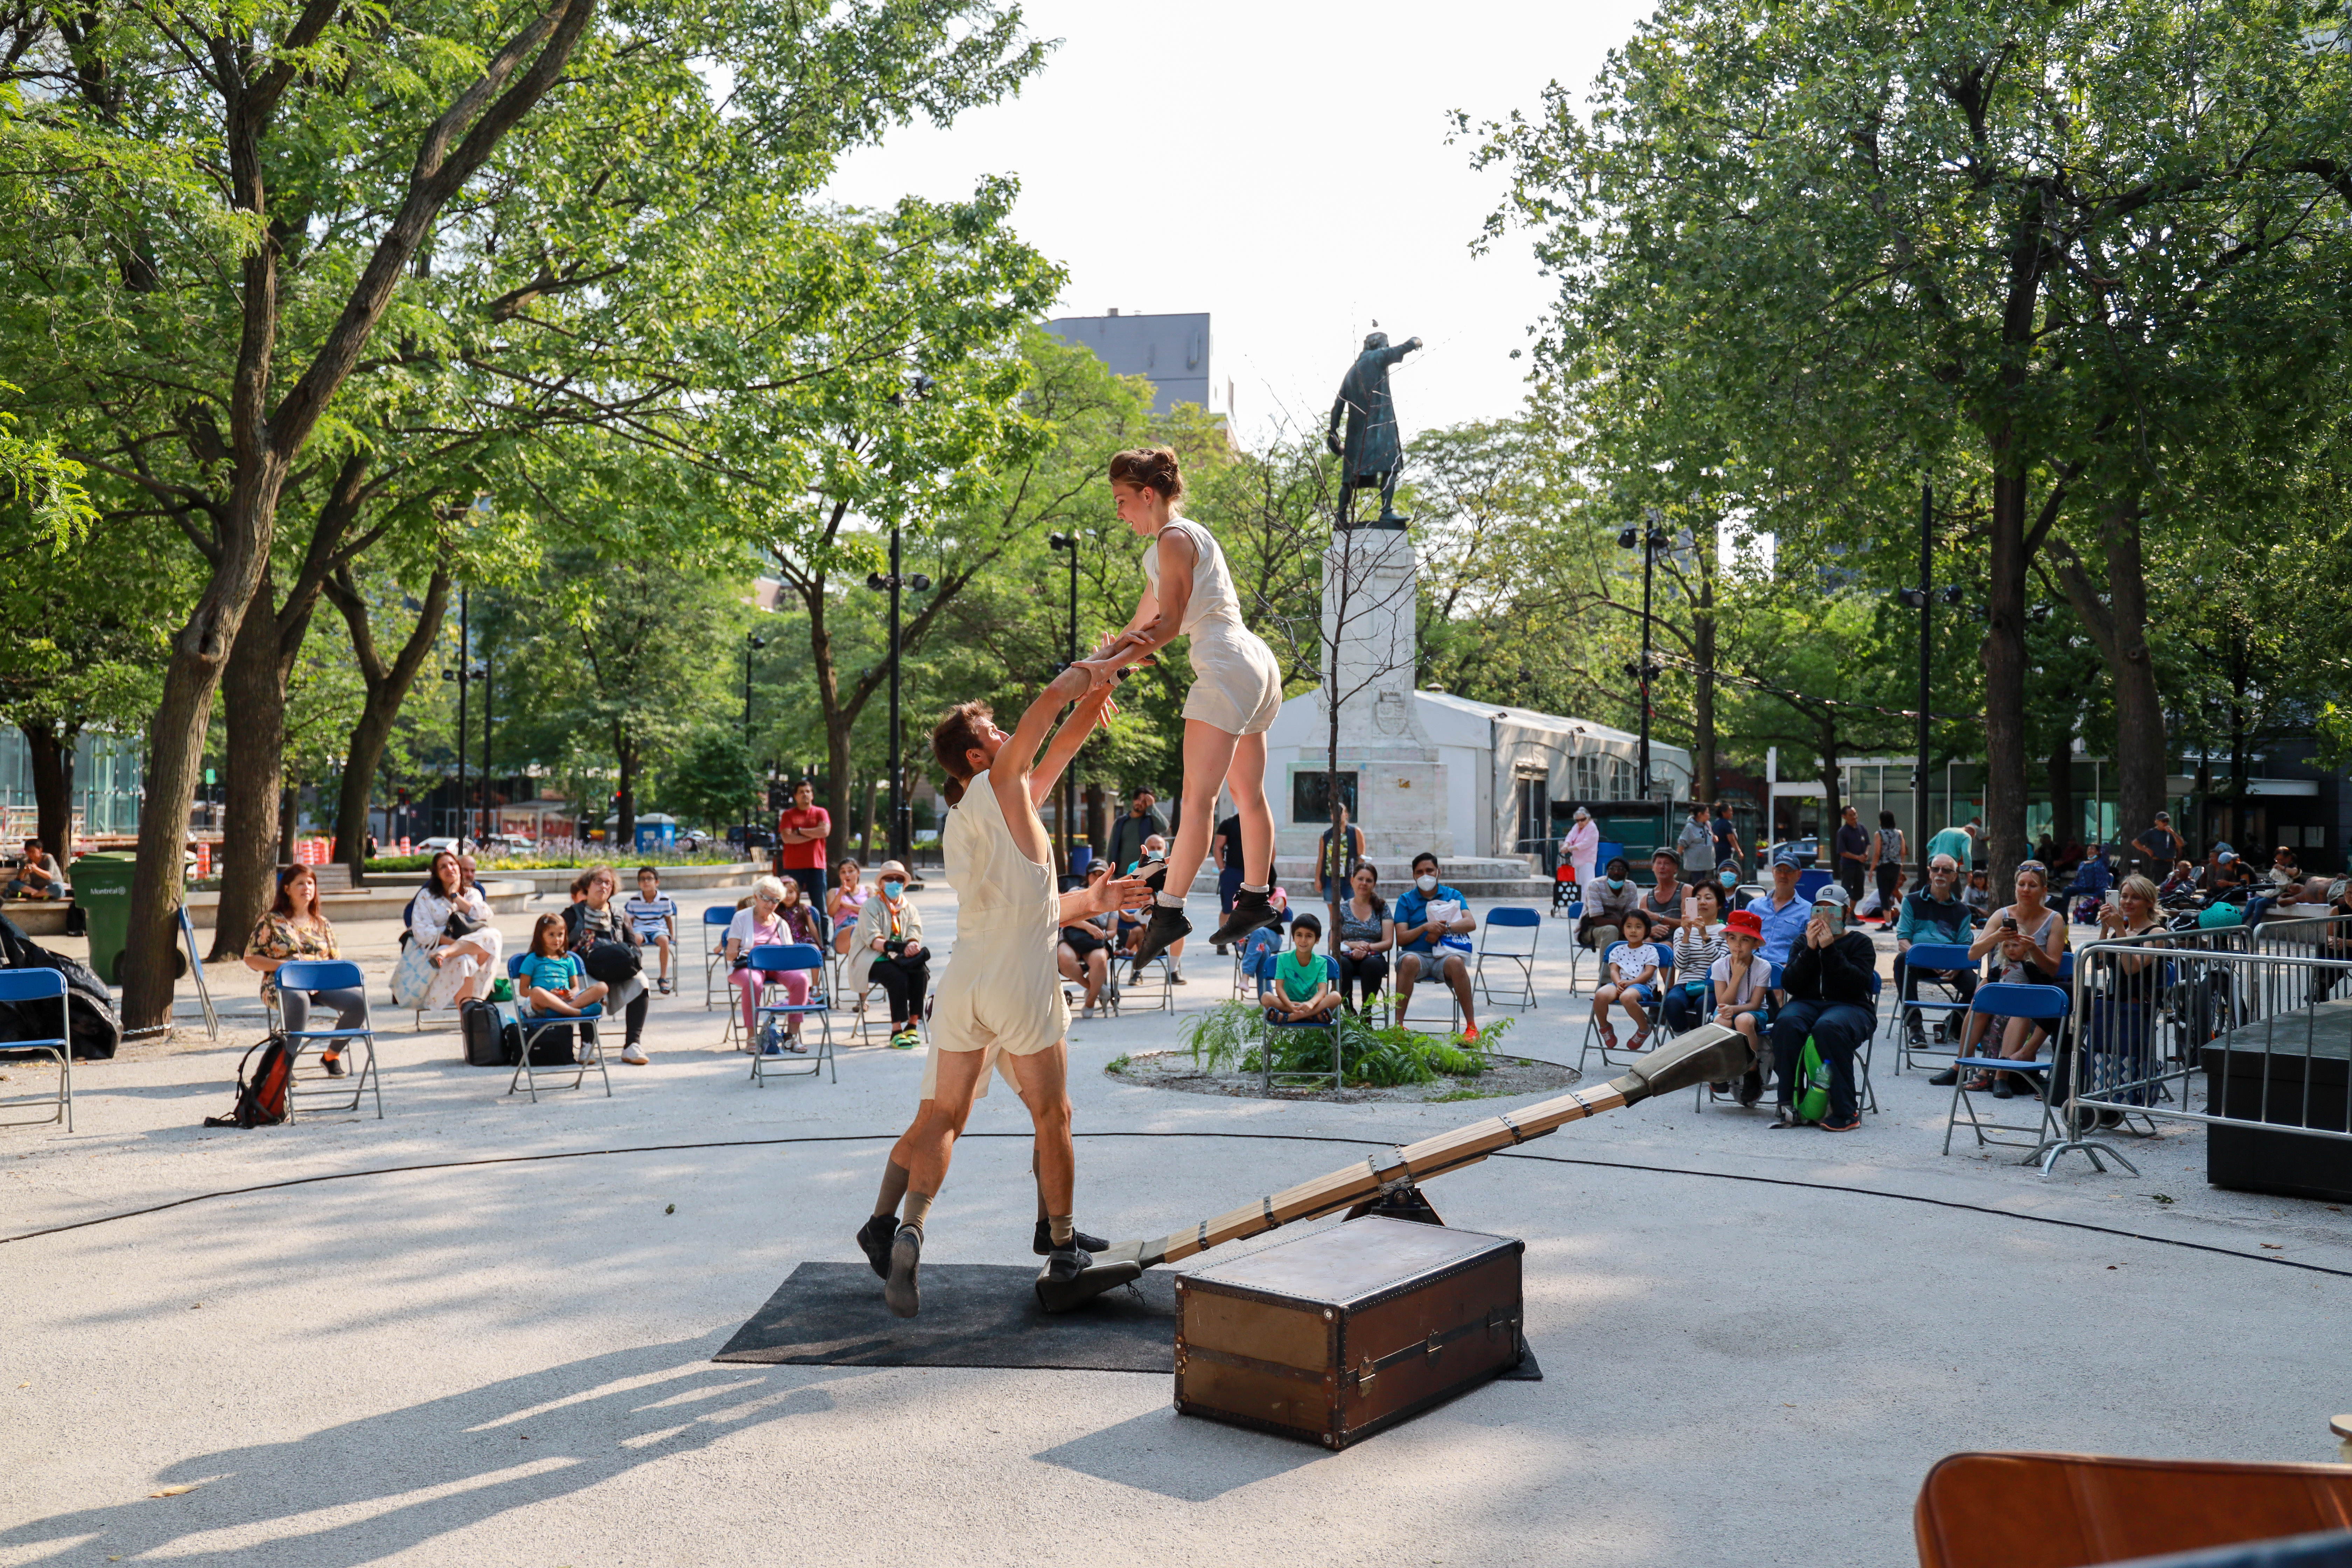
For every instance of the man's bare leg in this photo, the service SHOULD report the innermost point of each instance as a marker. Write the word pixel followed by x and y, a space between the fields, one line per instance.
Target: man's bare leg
pixel 923 1152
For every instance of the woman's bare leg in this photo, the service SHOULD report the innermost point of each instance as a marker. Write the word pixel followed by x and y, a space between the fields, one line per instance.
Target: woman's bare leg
pixel 1207 753
pixel 1246 776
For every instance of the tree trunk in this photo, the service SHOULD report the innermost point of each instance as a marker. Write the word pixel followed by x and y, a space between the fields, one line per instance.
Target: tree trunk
pixel 2118 624
pixel 1833 808
pixel 388 686
pixel 52 757
pixel 865 819
pixel 2065 814
pixel 290 809
pixel 624 803
pixel 1703 783
pixel 1097 812
pixel 253 695
pixel 2003 658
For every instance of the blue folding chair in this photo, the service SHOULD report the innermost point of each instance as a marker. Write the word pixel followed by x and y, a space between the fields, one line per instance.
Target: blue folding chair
pixel 1609 1054
pixel 1516 918
pixel 41 985
pixel 326 974
pixel 715 918
pixel 2047 1005
pixel 1943 957
pixel 1327 1026
pixel 769 1014
pixel 587 1047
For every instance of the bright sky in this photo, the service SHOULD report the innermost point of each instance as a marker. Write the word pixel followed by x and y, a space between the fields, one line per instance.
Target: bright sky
pixel 1281 166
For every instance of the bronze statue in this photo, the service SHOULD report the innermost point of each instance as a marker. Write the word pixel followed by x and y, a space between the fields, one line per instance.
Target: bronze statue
pixel 1371 454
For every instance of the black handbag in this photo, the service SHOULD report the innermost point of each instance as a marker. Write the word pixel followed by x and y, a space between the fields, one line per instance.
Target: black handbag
pixel 613 962
pixel 461 925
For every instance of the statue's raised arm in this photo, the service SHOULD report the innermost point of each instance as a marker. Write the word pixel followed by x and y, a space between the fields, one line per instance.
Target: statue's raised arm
pixel 1370 455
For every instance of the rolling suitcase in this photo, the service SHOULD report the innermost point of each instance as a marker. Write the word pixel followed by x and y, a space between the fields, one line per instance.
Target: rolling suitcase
pixel 1347 1331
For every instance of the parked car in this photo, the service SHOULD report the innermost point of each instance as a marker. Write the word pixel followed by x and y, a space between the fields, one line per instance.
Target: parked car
pixel 508 844
pixel 1807 849
pixel 437 843
pixel 695 840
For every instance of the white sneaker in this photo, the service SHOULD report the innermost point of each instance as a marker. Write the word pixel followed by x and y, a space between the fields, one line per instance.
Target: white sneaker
pixel 633 1054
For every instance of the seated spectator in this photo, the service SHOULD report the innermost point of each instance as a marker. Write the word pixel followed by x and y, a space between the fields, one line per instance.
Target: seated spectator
pixel 888 952
pixel 1082 951
pixel 1978 895
pixel 38 877
pixel 296 929
pixel 1937 917
pixel 652 914
pixel 842 903
pixel 1726 882
pixel 594 917
pixel 1632 965
pixel 1607 898
pixel 1664 902
pixel 1367 936
pixel 2031 937
pixel 552 979
pixel 1784 914
pixel 1826 982
pixel 2286 869
pixel 2182 882
pixel 1698 941
pixel 454 954
pixel 1154 853
pixel 2225 874
pixel 1741 984
pixel 1303 991
pixel 764 924
pixel 1432 926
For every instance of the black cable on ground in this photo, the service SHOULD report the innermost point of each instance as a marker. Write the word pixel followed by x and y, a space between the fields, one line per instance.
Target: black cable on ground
pixel 1268 1137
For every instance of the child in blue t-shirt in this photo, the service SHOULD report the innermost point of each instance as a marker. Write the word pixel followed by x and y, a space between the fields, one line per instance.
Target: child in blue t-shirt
pixel 1304 985
pixel 552 980
pixel 653 915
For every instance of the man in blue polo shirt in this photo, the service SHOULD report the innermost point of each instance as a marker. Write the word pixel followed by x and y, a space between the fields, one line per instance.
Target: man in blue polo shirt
pixel 1428 939
pixel 1783 913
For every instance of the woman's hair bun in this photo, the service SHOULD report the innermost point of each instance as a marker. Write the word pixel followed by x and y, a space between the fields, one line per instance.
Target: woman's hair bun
pixel 1150 469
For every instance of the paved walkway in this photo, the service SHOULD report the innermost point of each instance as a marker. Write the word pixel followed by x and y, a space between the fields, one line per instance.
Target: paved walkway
pixel 1755 1343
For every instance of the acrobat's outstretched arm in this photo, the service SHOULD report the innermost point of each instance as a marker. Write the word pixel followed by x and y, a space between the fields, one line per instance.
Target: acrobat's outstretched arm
pixel 1090 712
pixel 1157 616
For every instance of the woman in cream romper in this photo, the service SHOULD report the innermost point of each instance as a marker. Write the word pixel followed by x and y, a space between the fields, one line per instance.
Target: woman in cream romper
pixel 1236 693
pixel 999 1006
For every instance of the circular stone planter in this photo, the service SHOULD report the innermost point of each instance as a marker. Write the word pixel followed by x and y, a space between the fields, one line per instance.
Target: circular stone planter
pixel 1176 1070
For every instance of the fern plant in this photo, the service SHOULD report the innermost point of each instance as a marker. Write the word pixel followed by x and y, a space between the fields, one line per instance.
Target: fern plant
pixel 1234 1037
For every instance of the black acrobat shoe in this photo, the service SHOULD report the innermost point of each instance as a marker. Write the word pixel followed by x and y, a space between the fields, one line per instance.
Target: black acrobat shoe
pixel 1250 912
pixel 874 1236
pixel 1166 928
pixel 1072 1275
pixel 1042 1244
pixel 899 1291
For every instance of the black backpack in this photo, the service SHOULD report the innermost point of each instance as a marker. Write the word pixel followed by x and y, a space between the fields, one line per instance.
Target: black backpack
pixel 261 1100
pixel 492 1032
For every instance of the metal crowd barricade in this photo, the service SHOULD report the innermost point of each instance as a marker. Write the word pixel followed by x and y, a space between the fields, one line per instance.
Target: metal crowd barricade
pixel 2263 1016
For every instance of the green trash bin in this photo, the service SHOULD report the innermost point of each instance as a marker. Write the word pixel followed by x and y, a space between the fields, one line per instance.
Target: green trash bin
pixel 101 885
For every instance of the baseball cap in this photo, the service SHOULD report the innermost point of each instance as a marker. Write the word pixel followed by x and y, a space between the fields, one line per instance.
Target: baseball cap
pixel 2223 856
pixel 1788 858
pixel 1831 893
pixel 1745 920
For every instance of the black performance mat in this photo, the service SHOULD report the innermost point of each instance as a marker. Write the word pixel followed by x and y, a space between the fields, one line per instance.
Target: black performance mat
pixel 974 1314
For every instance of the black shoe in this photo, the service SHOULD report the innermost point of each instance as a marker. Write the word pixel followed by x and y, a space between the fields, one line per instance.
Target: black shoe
pixel 1945 1079
pixel 1751 1090
pixel 1072 1276
pixel 1041 1243
pixel 873 1238
pixel 1784 1117
pixel 1834 1123
pixel 334 1064
pixel 1064 1263
pixel 2000 1089
pixel 899 1289
pixel 1250 912
pixel 1167 927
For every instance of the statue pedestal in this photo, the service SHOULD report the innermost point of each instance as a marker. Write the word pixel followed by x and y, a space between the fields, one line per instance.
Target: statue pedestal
pixel 1370 602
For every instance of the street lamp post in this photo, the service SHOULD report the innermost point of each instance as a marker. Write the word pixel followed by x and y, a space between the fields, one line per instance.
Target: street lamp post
pixel 751 643
pixel 1922 599
pixel 1650 539
pixel 1069 542
pixel 901 822
pixel 487 825
pixel 465 675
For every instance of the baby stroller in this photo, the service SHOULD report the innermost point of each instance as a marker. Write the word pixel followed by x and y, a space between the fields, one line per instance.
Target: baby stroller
pixel 2091 886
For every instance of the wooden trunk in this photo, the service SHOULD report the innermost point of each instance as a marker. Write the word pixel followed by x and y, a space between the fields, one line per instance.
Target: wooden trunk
pixel 1339 1334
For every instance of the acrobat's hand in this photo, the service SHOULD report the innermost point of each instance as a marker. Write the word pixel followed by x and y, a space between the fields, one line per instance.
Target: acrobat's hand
pixel 1097 673
pixel 1120 893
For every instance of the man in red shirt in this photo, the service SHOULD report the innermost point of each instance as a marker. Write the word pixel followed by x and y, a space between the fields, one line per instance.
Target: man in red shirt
pixel 801 830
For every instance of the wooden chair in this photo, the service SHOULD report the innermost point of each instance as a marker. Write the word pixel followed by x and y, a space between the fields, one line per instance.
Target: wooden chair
pixel 2068 1510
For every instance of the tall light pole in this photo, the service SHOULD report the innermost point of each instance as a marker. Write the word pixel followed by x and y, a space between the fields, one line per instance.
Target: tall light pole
pixel 1922 599
pixel 465 674
pixel 488 827
pixel 1069 542
pixel 751 643
pixel 1652 540
pixel 901 821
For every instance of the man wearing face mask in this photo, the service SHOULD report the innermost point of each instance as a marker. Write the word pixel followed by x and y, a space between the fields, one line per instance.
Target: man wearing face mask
pixel 1608 898
pixel 1783 913
pixel 1827 984
pixel 1727 877
pixel 1933 915
pixel 1433 932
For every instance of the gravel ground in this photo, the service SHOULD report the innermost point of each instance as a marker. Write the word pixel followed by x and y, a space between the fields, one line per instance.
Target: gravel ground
pixel 495 1348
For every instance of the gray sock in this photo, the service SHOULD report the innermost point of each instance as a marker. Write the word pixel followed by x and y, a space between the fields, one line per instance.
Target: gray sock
pixel 1061 1225
pixel 918 1206
pixel 893 1187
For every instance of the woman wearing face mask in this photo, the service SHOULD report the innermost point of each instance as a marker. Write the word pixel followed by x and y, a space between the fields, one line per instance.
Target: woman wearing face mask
pixel 888 952
pixel 1726 882
pixel 1607 903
